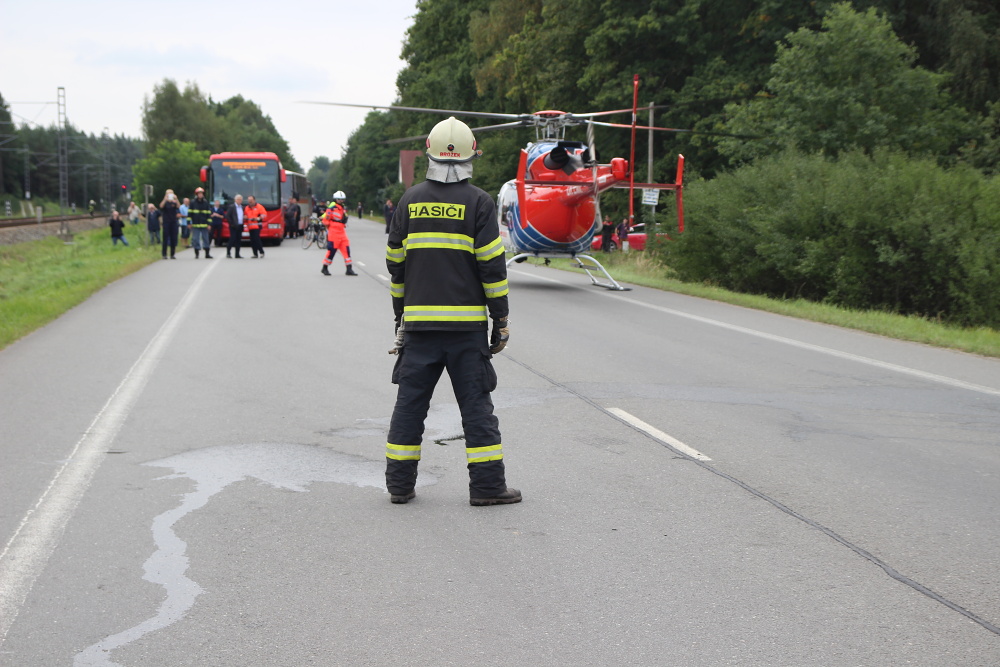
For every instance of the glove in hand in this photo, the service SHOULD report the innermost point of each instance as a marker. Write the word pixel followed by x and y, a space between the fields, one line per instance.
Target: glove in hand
pixel 500 336
pixel 397 345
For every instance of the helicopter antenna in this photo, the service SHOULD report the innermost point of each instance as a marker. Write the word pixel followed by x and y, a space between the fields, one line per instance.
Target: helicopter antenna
pixel 631 159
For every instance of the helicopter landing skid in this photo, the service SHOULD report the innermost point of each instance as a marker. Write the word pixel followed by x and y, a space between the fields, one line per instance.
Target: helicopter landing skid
pixel 611 283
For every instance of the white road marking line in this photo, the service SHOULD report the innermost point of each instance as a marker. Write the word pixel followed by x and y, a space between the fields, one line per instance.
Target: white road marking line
pixel 658 434
pixel 28 550
pixel 359 262
pixel 924 375
pixel 385 278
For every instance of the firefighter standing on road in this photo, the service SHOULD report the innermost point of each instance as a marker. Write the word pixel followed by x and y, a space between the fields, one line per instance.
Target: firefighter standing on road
pixel 254 215
pixel 201 215
pixel 448 279
pixel 335 220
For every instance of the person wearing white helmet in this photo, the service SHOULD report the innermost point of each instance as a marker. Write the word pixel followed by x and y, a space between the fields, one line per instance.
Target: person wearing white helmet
pixel 448 280
pixel 335 220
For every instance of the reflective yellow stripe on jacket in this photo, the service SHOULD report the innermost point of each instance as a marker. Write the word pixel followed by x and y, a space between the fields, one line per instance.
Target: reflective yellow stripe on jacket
pixel 438 240
pixel 490 250
pixel 444 314
pixel 493 290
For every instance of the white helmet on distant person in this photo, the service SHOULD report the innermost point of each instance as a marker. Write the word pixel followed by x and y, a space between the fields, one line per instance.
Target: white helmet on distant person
pixel 338 195
pixel 451 140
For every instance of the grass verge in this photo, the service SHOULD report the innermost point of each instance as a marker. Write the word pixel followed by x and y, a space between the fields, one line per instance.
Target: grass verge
pixel 40 280
pixel 643 269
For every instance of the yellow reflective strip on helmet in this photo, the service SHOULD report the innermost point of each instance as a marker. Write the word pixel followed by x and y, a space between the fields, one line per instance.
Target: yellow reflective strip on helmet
pixel 481 454
pixel 490 250
pixel 494 290
pixel 396 289
pixel 402 452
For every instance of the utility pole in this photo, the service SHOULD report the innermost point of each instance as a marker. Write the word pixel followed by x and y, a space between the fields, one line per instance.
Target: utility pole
pixel 107 169
pixel 27 173
pixel 649 172
pixel 63 163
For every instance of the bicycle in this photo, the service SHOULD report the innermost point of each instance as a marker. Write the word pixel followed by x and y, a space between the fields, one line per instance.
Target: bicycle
pixel 315 232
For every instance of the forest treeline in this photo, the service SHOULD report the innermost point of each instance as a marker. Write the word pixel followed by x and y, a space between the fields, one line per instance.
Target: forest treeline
pixel 181 128
pixel 789 109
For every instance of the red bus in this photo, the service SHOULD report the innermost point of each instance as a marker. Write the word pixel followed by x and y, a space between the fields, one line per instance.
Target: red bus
pixel 248 173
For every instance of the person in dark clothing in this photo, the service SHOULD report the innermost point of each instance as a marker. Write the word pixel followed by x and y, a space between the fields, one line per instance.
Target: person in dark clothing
pixel 607 229
pixel 170 209
pixel 448 279
pixel 117 228
pixel 292 214
pixel 387 211
pixel 234 216
pixel 200 215
pixel 218 219
pixel 153 224
pixel 622 230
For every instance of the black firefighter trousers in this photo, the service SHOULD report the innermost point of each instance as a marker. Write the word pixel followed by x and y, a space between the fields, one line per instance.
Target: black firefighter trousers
pixel 466 356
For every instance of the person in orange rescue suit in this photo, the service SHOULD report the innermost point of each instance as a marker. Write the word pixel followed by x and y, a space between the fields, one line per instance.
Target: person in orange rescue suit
pixel 335 220
pixel 448 280
pixel 253 216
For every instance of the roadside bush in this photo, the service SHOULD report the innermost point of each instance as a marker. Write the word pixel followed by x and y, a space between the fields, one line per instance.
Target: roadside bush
pixel 882 232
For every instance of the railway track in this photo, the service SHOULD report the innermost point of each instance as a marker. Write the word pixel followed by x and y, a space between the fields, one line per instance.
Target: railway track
pixel 6 223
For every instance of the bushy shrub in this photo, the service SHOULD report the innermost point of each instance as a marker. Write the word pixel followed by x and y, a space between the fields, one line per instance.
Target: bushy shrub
pixel 884 232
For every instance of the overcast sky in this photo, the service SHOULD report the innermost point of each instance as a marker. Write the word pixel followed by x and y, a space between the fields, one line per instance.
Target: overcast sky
pixel 109 55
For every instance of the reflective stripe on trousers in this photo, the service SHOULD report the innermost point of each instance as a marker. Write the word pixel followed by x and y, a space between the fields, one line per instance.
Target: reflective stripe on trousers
pixel 466 356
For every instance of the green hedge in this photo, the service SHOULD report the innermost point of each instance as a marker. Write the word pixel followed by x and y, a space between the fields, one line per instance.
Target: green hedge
pixel 883 232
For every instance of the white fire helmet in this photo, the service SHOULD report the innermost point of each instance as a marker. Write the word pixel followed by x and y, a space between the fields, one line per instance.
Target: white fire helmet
pixel 451 140
pixel 339 194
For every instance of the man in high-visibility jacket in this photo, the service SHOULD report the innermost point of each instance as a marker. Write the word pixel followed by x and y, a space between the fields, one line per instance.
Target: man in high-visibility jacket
pixel 200 212
pixel 448 279
pixel 335 220
pixel 253 216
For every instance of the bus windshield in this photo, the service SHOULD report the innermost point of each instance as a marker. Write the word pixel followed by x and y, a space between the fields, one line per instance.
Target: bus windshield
pixel 246 177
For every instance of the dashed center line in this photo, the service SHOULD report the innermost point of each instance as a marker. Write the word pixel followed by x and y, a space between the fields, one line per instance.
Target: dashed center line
pixel 658 434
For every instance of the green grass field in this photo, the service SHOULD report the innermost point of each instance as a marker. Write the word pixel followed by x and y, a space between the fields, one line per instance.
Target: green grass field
pixel 640 269
pixel 40 280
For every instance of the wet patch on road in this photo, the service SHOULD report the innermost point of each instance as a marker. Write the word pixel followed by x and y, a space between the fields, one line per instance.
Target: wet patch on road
pixel 283 466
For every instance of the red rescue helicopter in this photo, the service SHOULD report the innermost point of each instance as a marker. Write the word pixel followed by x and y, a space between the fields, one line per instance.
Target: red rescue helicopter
pixel 552 207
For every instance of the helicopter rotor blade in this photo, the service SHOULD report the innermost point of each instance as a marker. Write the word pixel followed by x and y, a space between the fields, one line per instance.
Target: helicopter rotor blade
pixel 393 107
pixel 678 130
pixel 594 114
pixel 485 128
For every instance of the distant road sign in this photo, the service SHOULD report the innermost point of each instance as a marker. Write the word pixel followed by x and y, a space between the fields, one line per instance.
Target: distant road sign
pixel 650 197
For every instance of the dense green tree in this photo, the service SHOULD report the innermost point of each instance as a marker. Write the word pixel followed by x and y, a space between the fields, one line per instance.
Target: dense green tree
pixel 188 115
pixel 236 124
pixel 851 85
pixel 171 165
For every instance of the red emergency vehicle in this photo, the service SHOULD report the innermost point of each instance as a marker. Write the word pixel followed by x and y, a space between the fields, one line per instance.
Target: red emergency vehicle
pixel 251 173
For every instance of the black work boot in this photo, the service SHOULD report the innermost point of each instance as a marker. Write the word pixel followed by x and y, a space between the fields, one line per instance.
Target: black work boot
pixel 350 270
pixel 207 254
pixel 196 253
pixel 508 497
pixel 325 270
pixel 402 498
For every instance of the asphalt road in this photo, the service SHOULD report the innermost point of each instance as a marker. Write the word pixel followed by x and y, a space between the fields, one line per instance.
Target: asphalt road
pixel 192 475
